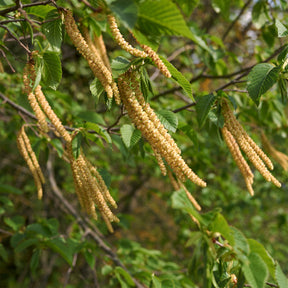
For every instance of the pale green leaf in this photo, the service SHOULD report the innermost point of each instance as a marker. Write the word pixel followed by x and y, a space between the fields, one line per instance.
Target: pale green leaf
pixel 128 279
pixel 119 66
pixel 156 282
pixel 179 78
pixel 241 245
pixel 168 119
pixel 40 11
pixel 281 279
pixel 261 78
pixel 130 135
pixel 96 89
pixel 14 222
pixel 52 70
pixel 282 30
pixel 203 107
pixel 98 130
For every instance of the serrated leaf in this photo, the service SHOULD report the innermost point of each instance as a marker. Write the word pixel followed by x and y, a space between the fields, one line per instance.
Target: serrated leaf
pixel 119 66
pixel 40 11
pixel 241 245
pixel 282 30
pixel 3 253
pixel 281 279
pixel 255 271
pixel 128 279
pixel 179 78
pixel 160 17
pixel 145 84
pixel 220 225
pixel 256 247
pixel 129 135
pixel 52 70
pixel 53 30
pixel 168 119
pixel 261 78
pixel 76 145
pixel 156 282
pixel 96 89
pixel 203 107
pixel 98 130
pixel 126 11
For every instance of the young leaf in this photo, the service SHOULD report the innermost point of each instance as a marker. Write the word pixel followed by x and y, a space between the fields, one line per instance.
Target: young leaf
pixel 168 119
pixel 53 30
pixel 241 245
pixel 256 247
pixel 255 271
pixel 282 30
pixel 145 83
pixel 126 10
pixel 128 279
pixel 99 131
pixel 96 89
pixel 261 78
pixel 281 279
pixel 130 135
pixel 203 107
pixel 40 11
pixel 156 282
pixel 179 78
pixel 52 71
pixel 119 66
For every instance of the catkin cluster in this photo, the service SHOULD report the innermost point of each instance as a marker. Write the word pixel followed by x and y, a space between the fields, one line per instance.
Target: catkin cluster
pixel 278 156
pixel 148 51
pixel 236 138
pixel 145 119
pixel 91 188
pixel 99 69
pixel 29 156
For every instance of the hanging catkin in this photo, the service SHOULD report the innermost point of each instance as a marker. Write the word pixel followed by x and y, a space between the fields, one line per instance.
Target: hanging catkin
pixel 234 135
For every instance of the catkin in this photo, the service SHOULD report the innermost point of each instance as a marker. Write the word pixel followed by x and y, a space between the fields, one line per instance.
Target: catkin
pixel 157 141
pixel 29 156
pixel 94 61
pixel 234 135
pixel 121 41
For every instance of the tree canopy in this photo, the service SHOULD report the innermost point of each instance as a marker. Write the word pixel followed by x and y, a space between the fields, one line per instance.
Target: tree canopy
pixel 143 143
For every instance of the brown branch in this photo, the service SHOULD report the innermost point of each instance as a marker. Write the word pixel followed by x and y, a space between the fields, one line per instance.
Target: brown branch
pixel 83 222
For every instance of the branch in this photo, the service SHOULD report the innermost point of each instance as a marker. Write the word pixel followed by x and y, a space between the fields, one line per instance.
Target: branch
pixel 83 222
pixel 15 8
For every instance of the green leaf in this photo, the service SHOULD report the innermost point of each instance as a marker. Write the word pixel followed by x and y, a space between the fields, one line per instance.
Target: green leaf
pixel 126 11
pixel 25 244
pixel 156 282
pixel 240 245
pixel 158 17
pixel 203 107
pixel 120 271
pixel 168 119
pixel 52 71
pixel 90 258
pixel 14 222
pixel 53 30
pixel 40 11
pixel 220 225
pixel 57 144
pixel 188 6
pixel 34 262
pixel 259 15
pixel 256 247
pixel 3 253
pixel 119 66
pixel 76 145
pixel 99 131
pixel 130 135
pixel 179 78
pixel 262 77
pixel 91 116
pixel 255 271
pixel 282 30
pixel 106 176
pixel 145 83
pixel 96 89
pixel 281 279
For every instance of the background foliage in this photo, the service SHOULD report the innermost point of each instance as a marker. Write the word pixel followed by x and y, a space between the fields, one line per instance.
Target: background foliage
pixel 217 49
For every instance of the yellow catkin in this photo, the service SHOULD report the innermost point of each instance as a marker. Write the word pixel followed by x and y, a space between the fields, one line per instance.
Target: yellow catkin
pixel 278 156
pixel 96 64
pixel 151 114
pixel 100 45
pixel 190 197
pixel 161 163
pixel 152 134
pixel 173 181
pixel 25 150
pixel 247 145
pixel 51 114
pixel 121 41
pixel 156 59
pixel 28 80
pixel 239 159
